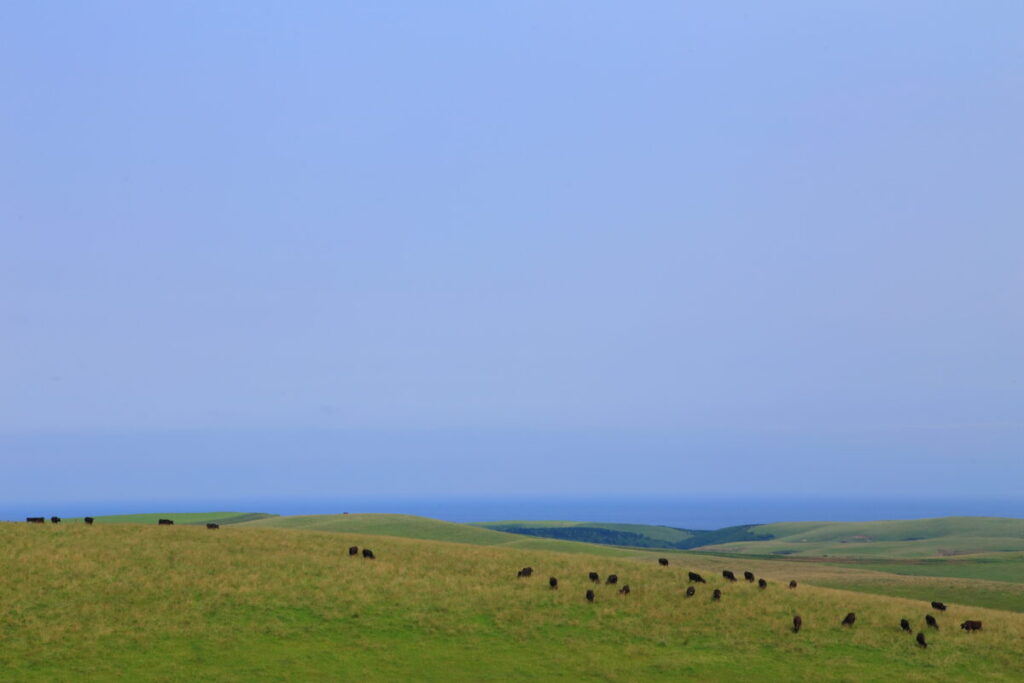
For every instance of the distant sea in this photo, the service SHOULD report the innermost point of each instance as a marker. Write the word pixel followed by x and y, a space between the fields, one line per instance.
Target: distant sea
pixel 686 513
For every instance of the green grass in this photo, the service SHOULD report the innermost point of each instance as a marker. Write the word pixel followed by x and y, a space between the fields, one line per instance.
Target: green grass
pixel 178 518
pixel 651 535
pixel 1003 567
pixel 252 602
pixel 942 537
pixel 409 526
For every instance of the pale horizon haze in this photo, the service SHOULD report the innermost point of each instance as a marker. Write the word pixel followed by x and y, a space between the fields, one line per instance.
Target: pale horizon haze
pixel 446 251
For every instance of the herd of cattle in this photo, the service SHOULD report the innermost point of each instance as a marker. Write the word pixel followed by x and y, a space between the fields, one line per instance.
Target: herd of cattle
pixel 613 579
pixel 716 595
pixel 90 520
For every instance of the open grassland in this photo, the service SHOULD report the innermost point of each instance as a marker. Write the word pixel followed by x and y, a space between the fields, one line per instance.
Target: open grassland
pixel 878 577
pixel 996 567
pixel 941 537
pixel 409 526
pixel 177 517
pixel 620 534
pixel 143 603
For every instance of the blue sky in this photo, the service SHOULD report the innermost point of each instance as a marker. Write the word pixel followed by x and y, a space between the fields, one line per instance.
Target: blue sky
pixel 464 248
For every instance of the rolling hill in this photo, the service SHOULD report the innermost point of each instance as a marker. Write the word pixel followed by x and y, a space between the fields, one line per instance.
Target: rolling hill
pixel 251 602
pixel 177 517
pixel 942 537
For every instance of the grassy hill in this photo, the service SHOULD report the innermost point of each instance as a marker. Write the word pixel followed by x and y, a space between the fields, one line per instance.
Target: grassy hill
pixel 253 602
pixel 924 538
pixel 633 535
pixel 410 526
pixel 942 537
pixel 177 517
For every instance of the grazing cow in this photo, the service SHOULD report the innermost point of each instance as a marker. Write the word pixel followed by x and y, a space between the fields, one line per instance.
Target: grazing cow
pixel 920 640
pixel 970 625
pixel 695 577
pixel 716 594
pixel 165 522
pixel 749 576
pixel 590 596
pixel 35 520
pixel 849 619
pixel 761 583
pixel 624 590
pixel 612 579
pixel 594 577
pixel 368 554
pixel 353 550
pixel 553 582
pixel 905 625
pixel 211 525
pixel 663 561
pixel 939 606
pixel 792 584
pixel 690 591
pixel 930 620
pixel 728 574
pixel 55 520
pixel 525 573
pixel 88 520
pixel 797 623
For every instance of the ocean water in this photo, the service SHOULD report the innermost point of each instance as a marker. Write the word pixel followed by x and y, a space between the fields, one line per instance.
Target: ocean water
pixel 687 513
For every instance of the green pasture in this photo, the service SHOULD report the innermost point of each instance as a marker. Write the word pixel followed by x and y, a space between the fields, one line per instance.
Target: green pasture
pixel 248 602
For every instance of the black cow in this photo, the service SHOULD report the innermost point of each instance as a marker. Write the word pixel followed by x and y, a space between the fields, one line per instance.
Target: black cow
pixel 624 590
pixel 368 554
pixel 55 520
pixel 612 579
pixel 761 583
pixel 797 623
pixel 920 640
pixel 690 591
pixel 695 577
pixel 36 520
pixel 905 625
pixel 930 620
pixel 728 574
pixel 849 619
pixel 594 577
pixel 88 520
pixel 939 606
pixel 353 550
pixel 553 582
pixel 716 594
pixel 525 573
pixel 749 576
pixel 971 625
pixel 211 525
pixel 663 561
pixel 792 584
pixel 590 596
pixel 165 522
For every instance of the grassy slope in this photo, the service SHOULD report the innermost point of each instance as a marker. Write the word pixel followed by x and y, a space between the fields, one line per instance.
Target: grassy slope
pixel 979 593
pixel 144 603
pixel 409 526
pixel 891 539
pixel 660 533
pixel 179 518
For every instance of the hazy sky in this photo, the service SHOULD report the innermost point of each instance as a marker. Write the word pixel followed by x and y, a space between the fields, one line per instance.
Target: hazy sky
pixel 461 248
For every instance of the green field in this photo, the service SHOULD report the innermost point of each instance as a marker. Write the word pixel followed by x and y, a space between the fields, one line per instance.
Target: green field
pixel 632 535
pixel 925 538
pixel 177 518
pixel 253 602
